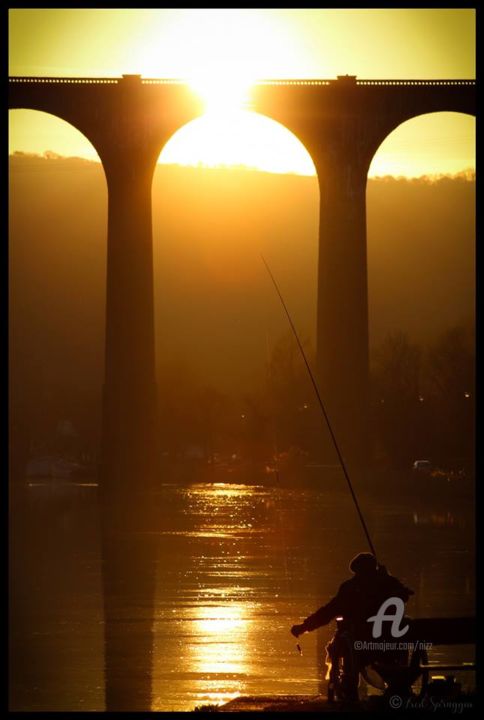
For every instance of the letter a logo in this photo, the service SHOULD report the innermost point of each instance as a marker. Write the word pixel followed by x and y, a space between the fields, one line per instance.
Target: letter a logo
pixel 395 618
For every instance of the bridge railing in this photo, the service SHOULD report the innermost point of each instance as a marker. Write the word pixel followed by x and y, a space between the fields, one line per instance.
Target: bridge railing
pixel 65 81
pixel 168 81
pixel 352 81
pixel 96 81
pixel 415 82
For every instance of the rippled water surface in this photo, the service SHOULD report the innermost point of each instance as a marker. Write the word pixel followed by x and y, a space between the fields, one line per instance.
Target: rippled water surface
pixel 237 565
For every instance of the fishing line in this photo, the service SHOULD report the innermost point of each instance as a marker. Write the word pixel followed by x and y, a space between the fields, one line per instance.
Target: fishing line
pixel 318 395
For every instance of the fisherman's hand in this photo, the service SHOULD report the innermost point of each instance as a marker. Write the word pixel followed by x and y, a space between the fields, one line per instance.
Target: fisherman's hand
pixel 297 630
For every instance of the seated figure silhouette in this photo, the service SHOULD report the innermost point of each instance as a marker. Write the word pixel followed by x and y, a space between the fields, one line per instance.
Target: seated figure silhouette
pixel 358 599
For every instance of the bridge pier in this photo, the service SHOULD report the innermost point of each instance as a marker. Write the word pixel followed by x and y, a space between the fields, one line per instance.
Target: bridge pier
pixel 342 312
pixel 128 473
pixel 129 420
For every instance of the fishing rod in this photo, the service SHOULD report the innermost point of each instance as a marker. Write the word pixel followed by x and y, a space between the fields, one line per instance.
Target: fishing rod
pixel 318 395
pixel 275 452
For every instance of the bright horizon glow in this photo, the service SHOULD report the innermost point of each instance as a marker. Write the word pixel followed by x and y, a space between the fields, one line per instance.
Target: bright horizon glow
pixel 435 144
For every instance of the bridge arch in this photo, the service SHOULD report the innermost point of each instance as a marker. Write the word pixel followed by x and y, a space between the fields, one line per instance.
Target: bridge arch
pixel 35 101
pixel 420 206
pixel 342 135
pixel 29 126
pixel 251 129
pixel 207 265
pixel 456 128
pixel 58 212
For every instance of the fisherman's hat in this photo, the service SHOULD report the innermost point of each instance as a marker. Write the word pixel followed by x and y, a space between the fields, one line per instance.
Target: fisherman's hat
pixel 363 562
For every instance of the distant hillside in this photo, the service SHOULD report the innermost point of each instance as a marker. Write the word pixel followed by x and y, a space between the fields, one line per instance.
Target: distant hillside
pixel 215 308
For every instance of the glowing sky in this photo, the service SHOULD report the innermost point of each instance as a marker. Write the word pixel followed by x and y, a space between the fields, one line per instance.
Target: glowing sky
pixel 196 44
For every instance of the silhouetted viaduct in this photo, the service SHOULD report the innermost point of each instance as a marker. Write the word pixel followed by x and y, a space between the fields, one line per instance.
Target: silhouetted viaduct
pixel 341 123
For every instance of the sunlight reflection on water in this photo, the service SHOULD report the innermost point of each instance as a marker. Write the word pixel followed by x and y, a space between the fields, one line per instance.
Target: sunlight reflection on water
pixel 237 565
pixel 259 551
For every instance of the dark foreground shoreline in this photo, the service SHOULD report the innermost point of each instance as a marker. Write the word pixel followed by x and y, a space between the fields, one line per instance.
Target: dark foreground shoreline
pixel 459 705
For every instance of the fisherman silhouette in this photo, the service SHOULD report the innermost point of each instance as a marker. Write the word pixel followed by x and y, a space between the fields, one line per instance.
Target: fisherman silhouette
pixel 358 599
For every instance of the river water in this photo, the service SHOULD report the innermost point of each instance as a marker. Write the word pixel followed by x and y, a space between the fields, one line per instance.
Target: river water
pixel 237 565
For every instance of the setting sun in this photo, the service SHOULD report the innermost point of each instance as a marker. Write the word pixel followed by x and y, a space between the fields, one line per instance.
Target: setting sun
pixel 216 61
pixel 221 93
pixel 239 138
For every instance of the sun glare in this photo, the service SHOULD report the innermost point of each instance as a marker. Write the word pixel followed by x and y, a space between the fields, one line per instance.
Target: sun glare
pixel 220 53
pixel 219 95
pixel 222 90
